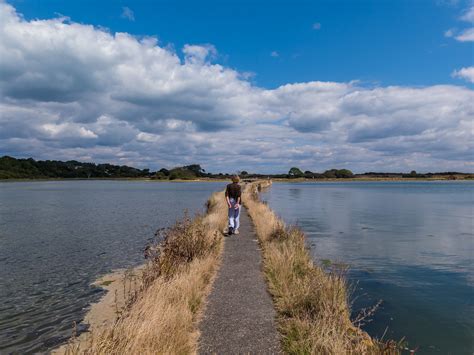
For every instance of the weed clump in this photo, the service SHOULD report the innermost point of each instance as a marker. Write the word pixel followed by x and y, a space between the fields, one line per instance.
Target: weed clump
pixel 161 316
pixel 188 239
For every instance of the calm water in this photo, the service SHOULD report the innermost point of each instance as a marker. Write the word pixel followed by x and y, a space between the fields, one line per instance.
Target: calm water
pixel 409 244
pixel 58 237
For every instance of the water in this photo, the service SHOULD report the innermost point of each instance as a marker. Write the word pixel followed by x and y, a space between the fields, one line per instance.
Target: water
pixel 408 243
pixel 57 237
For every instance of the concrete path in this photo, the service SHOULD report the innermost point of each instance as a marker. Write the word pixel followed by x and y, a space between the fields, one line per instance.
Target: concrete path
pixel 239 317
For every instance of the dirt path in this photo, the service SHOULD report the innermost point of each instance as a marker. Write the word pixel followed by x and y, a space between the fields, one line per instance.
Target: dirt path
pixel 239 316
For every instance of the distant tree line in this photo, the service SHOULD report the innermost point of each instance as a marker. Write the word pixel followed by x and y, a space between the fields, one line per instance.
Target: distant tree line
pixel 345 174
pixel 188 172
pixel 328 174
pixel 12 168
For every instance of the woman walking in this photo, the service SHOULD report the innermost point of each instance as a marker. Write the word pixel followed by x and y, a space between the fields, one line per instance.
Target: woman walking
pixel 233 195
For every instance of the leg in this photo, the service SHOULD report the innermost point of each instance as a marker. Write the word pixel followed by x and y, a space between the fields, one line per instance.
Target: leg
pixel 231 217
pixel 237 218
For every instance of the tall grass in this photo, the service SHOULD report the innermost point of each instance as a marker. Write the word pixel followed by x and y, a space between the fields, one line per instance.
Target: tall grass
pixel 161 317
pixel 312 304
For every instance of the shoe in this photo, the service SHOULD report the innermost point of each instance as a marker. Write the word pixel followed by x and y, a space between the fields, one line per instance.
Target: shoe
pixel 236 231
pixel 231 231
pixel 225 231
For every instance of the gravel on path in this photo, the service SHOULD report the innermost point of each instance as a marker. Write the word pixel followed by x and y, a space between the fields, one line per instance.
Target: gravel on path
pixel 239 316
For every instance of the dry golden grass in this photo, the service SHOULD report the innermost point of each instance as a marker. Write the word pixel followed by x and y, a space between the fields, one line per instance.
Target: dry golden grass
pixel 312 304
pixel 161 317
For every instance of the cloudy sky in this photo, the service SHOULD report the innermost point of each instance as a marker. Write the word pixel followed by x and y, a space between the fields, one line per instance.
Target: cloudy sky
pixel 257 86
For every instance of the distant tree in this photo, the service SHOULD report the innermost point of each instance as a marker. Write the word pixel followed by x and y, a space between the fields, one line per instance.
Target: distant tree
pixel 159 175
pixel 182 174
pixel 295 172
pixel 344 173
pixel 330 174
pixel 164 171
pixel 338 173
pixel 187 172
pixel 196 169
pixel 411 174
pixel 244 173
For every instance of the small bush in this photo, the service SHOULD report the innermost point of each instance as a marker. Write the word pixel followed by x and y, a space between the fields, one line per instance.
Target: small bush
pixel 187 240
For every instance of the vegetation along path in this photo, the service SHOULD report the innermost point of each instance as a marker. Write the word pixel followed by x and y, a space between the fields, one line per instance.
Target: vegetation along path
pixel 239 317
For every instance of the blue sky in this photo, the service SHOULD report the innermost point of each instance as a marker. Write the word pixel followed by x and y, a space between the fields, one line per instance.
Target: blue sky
pixel 251 85
pixel 398 42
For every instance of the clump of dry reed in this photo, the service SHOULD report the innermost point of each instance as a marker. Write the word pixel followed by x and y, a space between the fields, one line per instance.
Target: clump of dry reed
pixel 312 304
pixel 161 317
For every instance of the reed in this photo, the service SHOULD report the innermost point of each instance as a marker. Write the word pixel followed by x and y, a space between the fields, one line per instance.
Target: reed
pixel 313 304
pixel 161 316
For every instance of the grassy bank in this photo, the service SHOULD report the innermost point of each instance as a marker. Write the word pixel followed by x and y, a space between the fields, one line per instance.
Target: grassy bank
pixel 313 304
pixel 162 312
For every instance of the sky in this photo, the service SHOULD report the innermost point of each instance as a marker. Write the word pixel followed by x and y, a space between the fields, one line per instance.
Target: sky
pixel 247 85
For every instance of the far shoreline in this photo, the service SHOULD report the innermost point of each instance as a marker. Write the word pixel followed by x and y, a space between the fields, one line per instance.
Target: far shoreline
pixel 289 180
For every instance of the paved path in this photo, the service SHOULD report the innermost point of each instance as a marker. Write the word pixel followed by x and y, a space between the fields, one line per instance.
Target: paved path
pixel 239 317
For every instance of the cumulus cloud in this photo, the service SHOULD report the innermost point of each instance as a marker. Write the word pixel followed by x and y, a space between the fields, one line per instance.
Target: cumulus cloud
pixel 73 91
pixel 467 34
pixel 199 54
pixel 465 73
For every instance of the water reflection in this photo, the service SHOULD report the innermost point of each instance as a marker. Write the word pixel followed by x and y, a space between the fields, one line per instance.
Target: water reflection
pixel 57 237
pixel 410 244
pixel 295 194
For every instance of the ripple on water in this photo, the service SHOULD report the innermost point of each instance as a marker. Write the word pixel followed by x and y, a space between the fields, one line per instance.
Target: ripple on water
pixel 415 238
pixel 58 237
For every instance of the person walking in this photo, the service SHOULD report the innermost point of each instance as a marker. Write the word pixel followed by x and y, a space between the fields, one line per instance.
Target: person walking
pixel 233 195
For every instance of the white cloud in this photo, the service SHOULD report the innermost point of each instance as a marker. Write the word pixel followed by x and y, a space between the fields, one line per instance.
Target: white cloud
pixel 195 54
pixel 67 129
pixel 316 26
pixel 128 14
pixel 72 91
pixel 466 35
pixel 147 137
pixel 469 15
pixel 465 73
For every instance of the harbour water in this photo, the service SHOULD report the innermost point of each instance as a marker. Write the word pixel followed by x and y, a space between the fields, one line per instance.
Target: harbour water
pixel 57 237
pixel 409 244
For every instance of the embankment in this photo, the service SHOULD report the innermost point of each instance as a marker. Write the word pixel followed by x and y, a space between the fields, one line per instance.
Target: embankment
pixel 164 306
pixel 313 304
